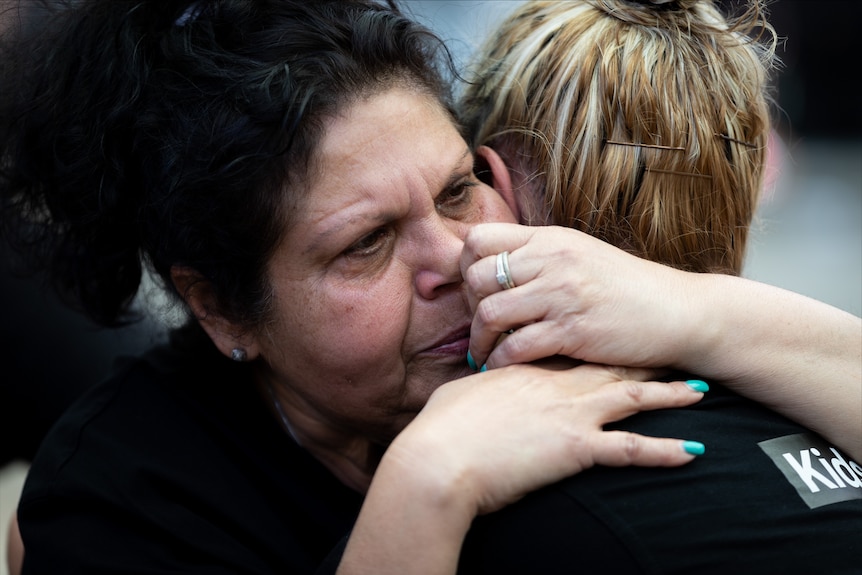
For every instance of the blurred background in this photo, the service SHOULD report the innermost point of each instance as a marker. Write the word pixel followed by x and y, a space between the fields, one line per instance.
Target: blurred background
pixel 808 237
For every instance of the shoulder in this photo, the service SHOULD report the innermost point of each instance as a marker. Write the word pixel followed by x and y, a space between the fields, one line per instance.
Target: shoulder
pixel 177 461
pixel 758 501
pixel 145 406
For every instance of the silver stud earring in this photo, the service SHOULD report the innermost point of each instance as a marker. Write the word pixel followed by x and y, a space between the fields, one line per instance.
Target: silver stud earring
pixel 238 354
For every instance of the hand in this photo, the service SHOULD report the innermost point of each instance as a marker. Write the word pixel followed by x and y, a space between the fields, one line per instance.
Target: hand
pixel 575 296
pixel 484 441
pixel 492 437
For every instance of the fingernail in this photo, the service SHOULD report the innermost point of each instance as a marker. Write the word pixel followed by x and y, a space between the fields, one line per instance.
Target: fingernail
pixel 697 385
pixel 483 368
pixel 471 362
pixel 693 447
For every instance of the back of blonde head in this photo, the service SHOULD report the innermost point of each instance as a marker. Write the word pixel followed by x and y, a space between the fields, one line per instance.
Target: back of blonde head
pixel 644 123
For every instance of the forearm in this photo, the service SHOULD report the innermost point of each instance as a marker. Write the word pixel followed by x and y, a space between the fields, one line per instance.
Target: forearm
pixel 796 355
pixel 409 524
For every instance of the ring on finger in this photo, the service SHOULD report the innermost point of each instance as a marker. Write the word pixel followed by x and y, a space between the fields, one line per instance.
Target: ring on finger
pixel 504 276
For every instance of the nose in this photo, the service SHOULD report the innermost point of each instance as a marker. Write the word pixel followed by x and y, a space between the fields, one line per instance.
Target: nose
pixel 439 252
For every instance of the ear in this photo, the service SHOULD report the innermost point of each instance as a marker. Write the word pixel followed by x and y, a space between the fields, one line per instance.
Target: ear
pixel 494 172
pixel 198 294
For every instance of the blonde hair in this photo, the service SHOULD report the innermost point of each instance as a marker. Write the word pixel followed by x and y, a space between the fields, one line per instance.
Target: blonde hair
pixel 644 123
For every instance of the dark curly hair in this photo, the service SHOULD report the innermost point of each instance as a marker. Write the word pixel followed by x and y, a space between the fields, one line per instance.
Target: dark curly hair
pixel 178 133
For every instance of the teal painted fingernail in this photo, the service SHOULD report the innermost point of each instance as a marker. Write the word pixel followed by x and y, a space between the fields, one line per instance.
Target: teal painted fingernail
pixel 693 447
pixel 483 368
pixel 698 385
pixel 471 362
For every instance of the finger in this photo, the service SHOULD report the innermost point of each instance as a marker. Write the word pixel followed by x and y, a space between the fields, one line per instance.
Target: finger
pixel 623 448
pixel 621 399
pixel 486 240
pixel 499 314
pixel 526 344
pixel 482 277
pixel 630 373
pixel 528 311
pixel 512 309
pixel 480 259
pixel 481 280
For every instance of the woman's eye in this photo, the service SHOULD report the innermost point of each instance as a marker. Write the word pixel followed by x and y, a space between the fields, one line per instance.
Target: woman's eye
pixel 369 244
pixel 453 200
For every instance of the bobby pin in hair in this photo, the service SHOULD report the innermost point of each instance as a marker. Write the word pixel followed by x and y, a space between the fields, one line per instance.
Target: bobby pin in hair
pixel 636 145
pixel 689 174
pixel 729 139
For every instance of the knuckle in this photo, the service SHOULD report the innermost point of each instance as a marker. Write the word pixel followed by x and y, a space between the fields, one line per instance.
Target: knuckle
pixel 472 277
pixel 471 238
pixel 488 312
pixel 631 447
pixel 513 346
pixel 619 371
pixel 635 390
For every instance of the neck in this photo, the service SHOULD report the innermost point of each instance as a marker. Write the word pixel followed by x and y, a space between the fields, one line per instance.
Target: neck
pixel 350 457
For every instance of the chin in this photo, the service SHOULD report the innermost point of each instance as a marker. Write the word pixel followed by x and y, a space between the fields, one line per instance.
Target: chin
pixel 428 385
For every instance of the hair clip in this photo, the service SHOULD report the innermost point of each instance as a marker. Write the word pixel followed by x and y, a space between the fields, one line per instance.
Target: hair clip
pixel 729 139
pixel 689 174
pixel 190 14
pixel 636 145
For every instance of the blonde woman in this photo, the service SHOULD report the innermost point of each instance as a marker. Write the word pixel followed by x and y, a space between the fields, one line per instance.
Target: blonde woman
pixel 645 124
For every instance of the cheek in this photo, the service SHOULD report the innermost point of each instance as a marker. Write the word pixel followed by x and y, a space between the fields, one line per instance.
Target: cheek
pixel 349 335
pixel 371 325
pixel 343 357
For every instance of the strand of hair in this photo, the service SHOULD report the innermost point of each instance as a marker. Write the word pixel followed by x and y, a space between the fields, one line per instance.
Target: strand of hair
pixel 637 145
pixel 688 174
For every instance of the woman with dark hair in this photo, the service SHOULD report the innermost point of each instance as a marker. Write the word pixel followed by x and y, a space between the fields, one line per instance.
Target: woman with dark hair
pixel 226 145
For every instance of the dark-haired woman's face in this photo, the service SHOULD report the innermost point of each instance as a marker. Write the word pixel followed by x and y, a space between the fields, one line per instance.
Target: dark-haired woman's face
pixel 370 316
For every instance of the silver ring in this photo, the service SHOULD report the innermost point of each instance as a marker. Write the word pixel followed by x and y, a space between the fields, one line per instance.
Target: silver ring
pixel 504 276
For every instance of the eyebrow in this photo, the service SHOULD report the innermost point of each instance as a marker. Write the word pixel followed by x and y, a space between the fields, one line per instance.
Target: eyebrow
pixel 456 175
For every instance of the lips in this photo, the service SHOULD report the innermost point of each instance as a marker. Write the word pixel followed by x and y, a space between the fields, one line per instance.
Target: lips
pixel 455 342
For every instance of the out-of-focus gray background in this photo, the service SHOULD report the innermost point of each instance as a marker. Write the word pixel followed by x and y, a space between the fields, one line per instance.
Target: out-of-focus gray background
pixel 808 237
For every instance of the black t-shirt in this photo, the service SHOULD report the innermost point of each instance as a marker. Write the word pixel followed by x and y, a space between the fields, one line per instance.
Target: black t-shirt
pixel 176 465
pixel 767 497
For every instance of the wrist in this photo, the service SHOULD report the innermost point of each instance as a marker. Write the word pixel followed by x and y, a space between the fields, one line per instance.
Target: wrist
pixel 414 519
pixel 429 472
pixel 701 323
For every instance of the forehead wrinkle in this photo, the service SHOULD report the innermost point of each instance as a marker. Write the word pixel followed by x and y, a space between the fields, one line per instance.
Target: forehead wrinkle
pixel 375 217
pixel 345 181
pixel 323 177
pixel 385 216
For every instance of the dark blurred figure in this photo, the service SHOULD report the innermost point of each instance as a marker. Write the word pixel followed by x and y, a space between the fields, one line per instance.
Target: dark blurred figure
pixel 50 355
